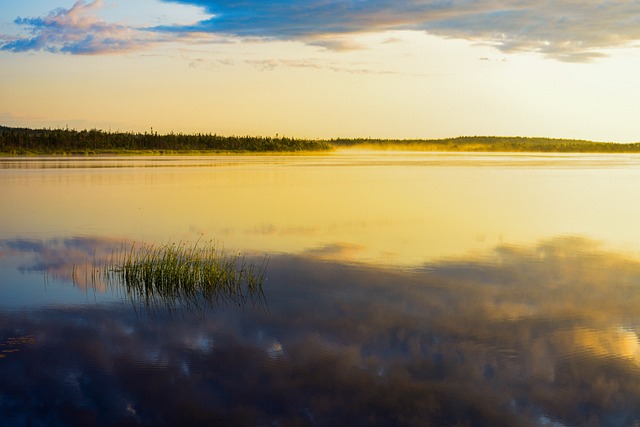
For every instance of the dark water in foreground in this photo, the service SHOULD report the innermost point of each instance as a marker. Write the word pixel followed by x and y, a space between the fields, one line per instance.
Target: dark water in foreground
pixel 366 319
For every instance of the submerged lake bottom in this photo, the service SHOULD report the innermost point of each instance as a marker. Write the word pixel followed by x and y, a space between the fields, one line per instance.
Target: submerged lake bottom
pixel 423 311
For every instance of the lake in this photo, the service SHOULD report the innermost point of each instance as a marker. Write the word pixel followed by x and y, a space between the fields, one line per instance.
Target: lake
pixel 399 289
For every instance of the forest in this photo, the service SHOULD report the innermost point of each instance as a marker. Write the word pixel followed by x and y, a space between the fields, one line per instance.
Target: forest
pixel 25 141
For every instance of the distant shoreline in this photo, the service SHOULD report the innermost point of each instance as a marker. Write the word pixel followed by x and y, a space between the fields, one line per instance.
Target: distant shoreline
pixel 492 144
pixel 65 142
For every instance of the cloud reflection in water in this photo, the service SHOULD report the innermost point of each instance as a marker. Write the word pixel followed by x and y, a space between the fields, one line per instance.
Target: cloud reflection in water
pixel 523 336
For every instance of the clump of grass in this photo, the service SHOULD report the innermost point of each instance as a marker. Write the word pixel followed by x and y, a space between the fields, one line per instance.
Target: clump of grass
pixel 181 276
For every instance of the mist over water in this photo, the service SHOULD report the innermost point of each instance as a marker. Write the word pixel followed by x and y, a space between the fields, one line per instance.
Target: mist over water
pixel 404 289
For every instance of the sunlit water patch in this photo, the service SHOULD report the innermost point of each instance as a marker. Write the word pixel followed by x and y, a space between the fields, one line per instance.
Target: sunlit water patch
pixel 392 209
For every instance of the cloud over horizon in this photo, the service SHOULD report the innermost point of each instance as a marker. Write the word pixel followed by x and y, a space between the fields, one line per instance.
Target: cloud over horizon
pixel 561 30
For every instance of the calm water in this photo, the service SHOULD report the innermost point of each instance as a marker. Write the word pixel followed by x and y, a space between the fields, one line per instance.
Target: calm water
pixel 401 289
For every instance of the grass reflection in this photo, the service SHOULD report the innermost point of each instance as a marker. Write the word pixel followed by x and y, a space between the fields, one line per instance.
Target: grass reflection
pixel 181 277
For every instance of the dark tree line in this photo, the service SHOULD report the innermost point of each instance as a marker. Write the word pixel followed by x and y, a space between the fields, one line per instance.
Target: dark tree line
pixel 24 141
pixel 56 141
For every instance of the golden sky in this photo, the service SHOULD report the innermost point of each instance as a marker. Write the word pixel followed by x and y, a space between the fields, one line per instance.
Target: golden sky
pixel 324 69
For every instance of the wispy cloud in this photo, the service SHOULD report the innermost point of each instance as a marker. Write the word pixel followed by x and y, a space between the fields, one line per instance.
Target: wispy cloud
pixel 319 64
pixel 565 30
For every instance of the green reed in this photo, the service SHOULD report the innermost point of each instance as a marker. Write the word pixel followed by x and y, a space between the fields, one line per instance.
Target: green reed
pixel 184 276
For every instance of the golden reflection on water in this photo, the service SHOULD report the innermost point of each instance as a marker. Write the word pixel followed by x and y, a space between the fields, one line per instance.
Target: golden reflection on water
pixel 612 342
pixel 522 299
pixel 395 209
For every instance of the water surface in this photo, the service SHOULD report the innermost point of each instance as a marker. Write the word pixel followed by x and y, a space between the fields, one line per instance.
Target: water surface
pixel 401 289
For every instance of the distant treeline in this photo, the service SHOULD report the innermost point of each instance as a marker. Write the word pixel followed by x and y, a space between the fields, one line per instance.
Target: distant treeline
pixel 492 143
pixel 23 141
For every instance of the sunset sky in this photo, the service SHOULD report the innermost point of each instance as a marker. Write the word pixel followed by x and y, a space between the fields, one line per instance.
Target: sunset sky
pixel 324 68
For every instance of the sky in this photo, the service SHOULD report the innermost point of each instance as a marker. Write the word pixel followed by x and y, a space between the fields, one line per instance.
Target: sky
pixel 324 68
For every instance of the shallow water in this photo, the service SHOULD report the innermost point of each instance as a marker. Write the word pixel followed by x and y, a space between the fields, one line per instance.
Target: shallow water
pixel 401 288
